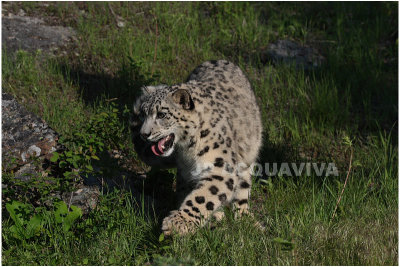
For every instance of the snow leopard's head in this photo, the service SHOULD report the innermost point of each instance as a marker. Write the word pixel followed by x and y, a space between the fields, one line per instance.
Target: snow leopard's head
pixel 161 119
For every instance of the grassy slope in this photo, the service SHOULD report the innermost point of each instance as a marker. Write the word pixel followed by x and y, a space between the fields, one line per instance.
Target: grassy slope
pixel 306 116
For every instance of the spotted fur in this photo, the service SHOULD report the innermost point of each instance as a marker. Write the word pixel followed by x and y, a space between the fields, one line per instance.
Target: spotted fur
pixel 217 131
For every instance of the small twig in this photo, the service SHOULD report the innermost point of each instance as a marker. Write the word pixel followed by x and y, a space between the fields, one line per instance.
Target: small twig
pixel 118 19
pixel 155 48
pixel 345 183
pixel 70 200
pixel 324 41
pixel 112 12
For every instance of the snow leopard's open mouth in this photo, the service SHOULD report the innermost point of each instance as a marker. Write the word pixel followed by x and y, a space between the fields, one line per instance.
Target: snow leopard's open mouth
pixel 163 145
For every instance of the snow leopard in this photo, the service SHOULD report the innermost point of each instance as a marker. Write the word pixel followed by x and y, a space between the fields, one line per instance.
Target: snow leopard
pixel 209 128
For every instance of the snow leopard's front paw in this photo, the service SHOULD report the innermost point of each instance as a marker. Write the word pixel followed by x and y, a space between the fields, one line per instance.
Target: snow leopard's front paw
pixel 178 222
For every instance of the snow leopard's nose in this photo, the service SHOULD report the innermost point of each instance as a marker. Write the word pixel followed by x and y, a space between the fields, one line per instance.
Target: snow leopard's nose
pixel 144 136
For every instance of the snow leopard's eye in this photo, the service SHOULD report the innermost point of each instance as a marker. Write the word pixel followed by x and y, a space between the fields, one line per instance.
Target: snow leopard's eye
pixel 160 115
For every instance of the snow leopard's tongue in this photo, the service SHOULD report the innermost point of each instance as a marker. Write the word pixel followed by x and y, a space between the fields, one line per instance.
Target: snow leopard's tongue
pixel 158 149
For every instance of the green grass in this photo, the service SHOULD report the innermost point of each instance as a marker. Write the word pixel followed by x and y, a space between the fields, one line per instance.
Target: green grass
pixel 307 116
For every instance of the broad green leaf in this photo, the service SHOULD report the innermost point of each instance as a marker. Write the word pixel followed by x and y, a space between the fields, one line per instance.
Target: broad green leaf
pixel 34 225
pixel 16 210
pixel 17 232
pixel 161 238
pixel 66 217
pixel 61 211
pixel 54 157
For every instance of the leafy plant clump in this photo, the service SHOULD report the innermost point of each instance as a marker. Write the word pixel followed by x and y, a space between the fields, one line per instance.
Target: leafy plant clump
pixel 102 132
pixel 29 222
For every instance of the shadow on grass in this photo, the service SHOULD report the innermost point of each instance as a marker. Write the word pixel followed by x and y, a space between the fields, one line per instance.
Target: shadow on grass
pixel 359 42
pixel 124 86
pixel 152 193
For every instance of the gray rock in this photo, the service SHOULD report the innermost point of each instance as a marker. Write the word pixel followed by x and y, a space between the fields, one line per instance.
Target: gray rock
pixel 85 198
pixel 31 34
pixel 25 172
pixel 286 51
pixel 24 136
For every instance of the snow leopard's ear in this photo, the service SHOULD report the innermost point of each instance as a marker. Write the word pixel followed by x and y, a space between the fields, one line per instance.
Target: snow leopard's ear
pixel 183 98
pixel 137 104
pixel 147 90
